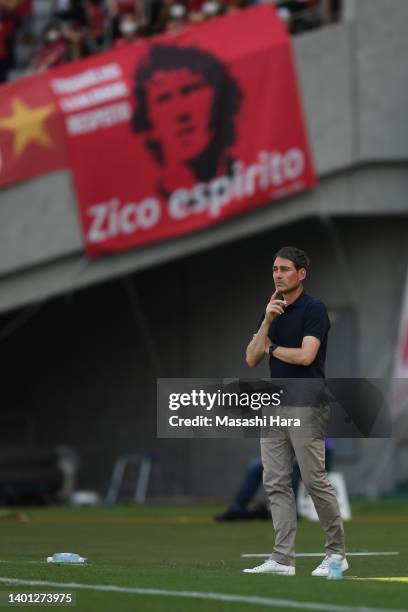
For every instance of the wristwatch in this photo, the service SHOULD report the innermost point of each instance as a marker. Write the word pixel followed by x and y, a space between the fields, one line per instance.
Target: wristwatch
pixel 272 348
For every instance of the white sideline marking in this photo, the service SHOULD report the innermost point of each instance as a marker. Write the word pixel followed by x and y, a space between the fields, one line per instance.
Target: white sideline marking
pixel 348 554
pixel 21 562
pixel 250 599
pixel 24 562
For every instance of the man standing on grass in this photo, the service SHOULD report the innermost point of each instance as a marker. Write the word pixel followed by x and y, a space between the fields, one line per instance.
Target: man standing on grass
pixel 293 333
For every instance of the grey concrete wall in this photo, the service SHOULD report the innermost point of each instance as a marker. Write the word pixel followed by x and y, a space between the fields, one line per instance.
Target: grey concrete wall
pixel 38 222
pixel 381 49
pixel 355 95
pixel 324 60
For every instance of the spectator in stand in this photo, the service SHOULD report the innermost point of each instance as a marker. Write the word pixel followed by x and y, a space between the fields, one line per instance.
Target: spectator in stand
pixel 75 26
pixel 96 22
pixel 130 31
pixel 81 27
pixel 194 10
pixel 55 49
pixel 116 8
pixel 230 6
pixel 177 18
pixel 297 5
pixel 299 15
pixel 70 11
pixel 3 50
pixel 210 9
pixel 9 20
pixel 201 10
pixel 172 17
pixel 23 14
pixel 25 43
pixel 119 7
pixel 77 37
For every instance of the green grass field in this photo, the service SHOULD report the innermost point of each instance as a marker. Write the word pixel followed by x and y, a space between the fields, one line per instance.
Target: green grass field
pixel 182 549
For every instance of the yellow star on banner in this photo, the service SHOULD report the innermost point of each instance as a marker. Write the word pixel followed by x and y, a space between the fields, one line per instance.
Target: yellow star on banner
pixel 27 124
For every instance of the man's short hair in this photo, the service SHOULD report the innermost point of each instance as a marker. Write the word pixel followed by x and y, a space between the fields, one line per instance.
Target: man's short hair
pixel 297 256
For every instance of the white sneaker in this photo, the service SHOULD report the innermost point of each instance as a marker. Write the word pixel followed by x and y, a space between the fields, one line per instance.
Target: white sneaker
pixel 323 568
pixel 272 567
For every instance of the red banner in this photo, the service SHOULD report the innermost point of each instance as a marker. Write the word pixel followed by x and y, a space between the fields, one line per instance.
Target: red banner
pixel 32 133
pixel 181 131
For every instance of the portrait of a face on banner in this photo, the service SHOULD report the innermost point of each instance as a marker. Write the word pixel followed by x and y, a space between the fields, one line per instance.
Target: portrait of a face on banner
pixel 184 131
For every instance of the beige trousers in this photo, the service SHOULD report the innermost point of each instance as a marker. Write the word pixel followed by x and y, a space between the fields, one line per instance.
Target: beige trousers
pixel 279 446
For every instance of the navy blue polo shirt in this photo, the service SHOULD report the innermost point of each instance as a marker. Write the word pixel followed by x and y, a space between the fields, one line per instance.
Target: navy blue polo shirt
pixel 306 316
